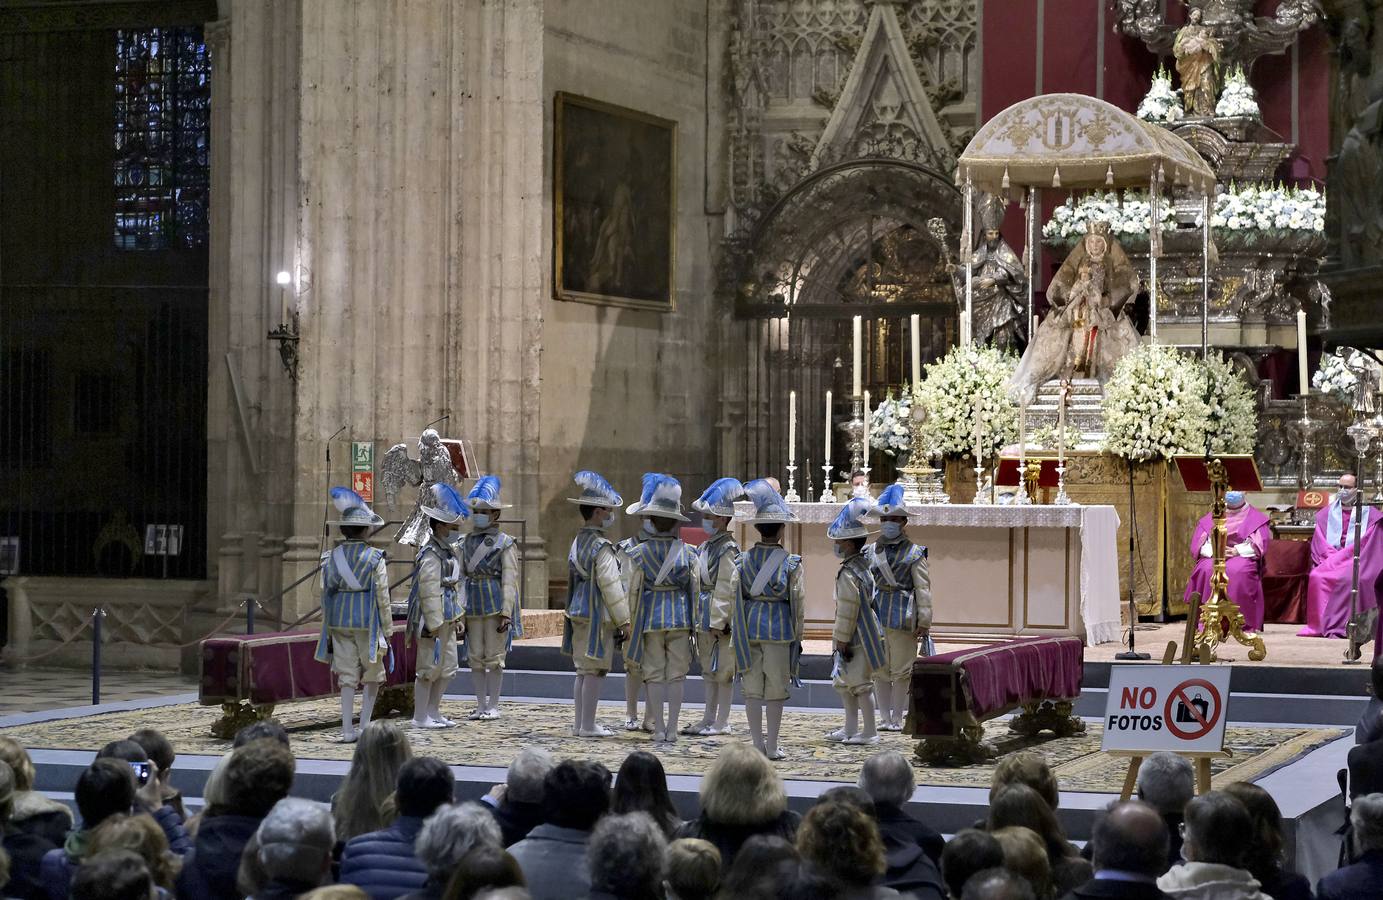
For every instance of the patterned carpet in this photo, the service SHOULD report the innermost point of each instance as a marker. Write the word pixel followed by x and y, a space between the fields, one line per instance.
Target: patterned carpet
pixel 1077 760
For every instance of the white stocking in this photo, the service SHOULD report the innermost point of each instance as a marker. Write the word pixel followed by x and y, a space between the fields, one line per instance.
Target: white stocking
pixel 434 699
pixel 578 696
pixel 479 683
pixel 885 696
pixel 367 703
pixel 631 694
pixel 852 712
pixel 724 694
pixel 754 711
pixel 675 690
pixel 347 709
pixel 775 723
pixel 495 681
pixel 866 702
pixel 422 690
pixel 657 692
pixel 590 700
pixel 900 700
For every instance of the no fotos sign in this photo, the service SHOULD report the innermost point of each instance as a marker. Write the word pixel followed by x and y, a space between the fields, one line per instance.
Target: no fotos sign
pixel 1177 708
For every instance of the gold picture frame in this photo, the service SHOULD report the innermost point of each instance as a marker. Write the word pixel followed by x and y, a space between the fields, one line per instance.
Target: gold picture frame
pixel 614 185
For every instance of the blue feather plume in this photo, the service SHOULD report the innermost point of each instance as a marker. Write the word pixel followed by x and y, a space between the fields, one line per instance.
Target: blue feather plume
pixel 722 492
pixel 486 489
pixel 852 511
pixel 344 498
pixel 652 482
pixel 449 499
pixel 593 481
pixel 891 496
pixel 761 493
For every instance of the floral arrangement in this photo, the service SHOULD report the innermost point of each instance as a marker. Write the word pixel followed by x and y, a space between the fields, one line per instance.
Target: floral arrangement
pixel 1231 420
pixel 1154 405
pixel 966 382
pixel 1253 207
pixel 1336 375
pixel 1238 97
pixel 890 425
pixel 1163 102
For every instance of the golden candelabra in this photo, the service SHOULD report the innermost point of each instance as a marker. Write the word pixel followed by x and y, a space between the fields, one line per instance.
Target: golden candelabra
pixel 1218 608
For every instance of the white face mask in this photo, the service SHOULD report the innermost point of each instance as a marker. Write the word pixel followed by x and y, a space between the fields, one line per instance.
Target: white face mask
pixel 1346 495
pixel 648 527
pixel 859 490
pixel 891 530
pixel 608 521
pixel 481 520
pixel 712 527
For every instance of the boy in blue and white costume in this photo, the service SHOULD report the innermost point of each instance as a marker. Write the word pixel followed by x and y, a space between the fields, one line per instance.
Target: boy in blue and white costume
pixel 597 616
pixel 715 571
pixel 435 605
pixel 858 639
pixel 903 601
pixel 766 617
pixel 662 579
pixel 356 620
pixel 490 569
pixel 633 673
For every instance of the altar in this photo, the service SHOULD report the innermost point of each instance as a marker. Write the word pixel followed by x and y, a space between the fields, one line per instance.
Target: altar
pixel 996 570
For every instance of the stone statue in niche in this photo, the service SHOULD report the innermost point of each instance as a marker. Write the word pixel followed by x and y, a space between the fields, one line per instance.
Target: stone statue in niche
pixel 1197 55
pixel 1088 329
pixel 999 284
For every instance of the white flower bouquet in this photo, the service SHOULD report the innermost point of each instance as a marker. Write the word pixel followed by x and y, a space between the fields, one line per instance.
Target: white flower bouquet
pixel 1254 207
pixel 1238 97
pixel 1154 405
pixel 1127 215
pixel 968 382
pixel 1162 102
pixel 1336 375
pixel 1231 419
pixel 890 425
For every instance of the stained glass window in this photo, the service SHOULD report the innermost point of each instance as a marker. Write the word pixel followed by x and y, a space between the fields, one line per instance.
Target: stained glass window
pixel 162 138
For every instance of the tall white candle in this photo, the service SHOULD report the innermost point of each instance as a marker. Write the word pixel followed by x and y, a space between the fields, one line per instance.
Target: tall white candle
pixel 866 429
pixel 792 428
pixel 916 323
pixel 1301 352
pixel 828 427
pixel 1061 422
pixel 858 345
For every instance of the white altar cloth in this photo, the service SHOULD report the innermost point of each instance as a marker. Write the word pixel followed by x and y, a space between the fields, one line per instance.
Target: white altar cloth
pixel 1002 570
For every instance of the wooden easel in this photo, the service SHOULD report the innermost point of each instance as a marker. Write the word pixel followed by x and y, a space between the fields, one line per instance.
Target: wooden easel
pixel 1201 760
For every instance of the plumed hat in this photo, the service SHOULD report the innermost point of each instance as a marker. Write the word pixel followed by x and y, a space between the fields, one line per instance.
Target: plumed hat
pixel 661 496
pixel 445 504
pixel 890 502
pixel 485 494
pixel 769 505
pixel 351 509
pixel 595 491
pixel 848 524
pixel 719 499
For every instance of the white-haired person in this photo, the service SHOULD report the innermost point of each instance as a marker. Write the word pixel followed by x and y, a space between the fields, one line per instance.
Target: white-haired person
pixel 295 843
pixel 857 638
pixel 447 836
pixel 1167 782
pixel 1363 877
pixel 436 614
pixel 903 601
pixel 518 803
pixel 889 781
pixel 715 576
pixel 490 567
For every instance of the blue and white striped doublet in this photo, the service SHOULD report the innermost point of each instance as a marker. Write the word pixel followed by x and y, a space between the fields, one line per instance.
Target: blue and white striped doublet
pixel 666 604
pixel 896 606
pixel 710 556
pixel 482 560
pixel 767 616
pixel 581 600
pixel 868 635
pixel 349 600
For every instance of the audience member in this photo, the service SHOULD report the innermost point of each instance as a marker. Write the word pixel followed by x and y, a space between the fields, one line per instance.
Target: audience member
pixel 888 778
pixel 789 880
pixel 518 803
pixel 691 870
pixel 212 793
pixel 625 857
pixel 383 862
pixel 1026 767
pixel 1017 804
pixel 160 751
pixel 140 835
pixel 447 836
pixel 336 892
pixel 1025 856
pixel 907 870
pixel 760 854
pixel 115 875
pixel 553 856
pixel 251 878
pixel 641 786
pixel 741 796
pixel 842 840
pixel 1363 877
pixel 271 729
pixel 970 851
pixel 1214 838
pixel 358 806
pixel 1266 852
pixel 149 791
pixel 295 843
pixel 482 869
pixel 1167 782
pixel 104 789
pixel 1129 848
pixel 32 812
pixel 4 872
pixel 997 884
pixel 1370 727
pixel 504 893
pixel 256 776
pixel 24 850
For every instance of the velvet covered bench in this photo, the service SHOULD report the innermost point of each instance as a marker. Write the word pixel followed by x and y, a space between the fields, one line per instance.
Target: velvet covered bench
pixel 953 694
pixel 249 674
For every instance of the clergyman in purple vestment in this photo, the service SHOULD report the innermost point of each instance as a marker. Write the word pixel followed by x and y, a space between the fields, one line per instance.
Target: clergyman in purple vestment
pixel 1246 539
pixel 1332 561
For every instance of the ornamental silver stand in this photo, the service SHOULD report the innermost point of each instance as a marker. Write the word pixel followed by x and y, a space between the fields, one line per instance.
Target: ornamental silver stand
pixel 855 429
pixel 827 495
pixel 792 496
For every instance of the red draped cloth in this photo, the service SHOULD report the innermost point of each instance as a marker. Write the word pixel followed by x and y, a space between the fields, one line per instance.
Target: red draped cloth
pixel 276 667
pixel 1286 566
pixel 989 681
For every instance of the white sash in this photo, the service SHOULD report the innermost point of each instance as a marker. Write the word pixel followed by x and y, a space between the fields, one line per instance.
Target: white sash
pixel 673 555
pixel 705 560
pixel 769 569
pixel 344 571
pixel 880 563
pixel 487 546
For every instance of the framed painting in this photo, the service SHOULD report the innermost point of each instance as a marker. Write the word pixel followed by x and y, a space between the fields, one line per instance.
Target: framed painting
pixel 614 204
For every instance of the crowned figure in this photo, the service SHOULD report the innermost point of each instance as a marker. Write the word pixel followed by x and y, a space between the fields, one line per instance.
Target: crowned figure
pixel 999 283
pixel 1088 329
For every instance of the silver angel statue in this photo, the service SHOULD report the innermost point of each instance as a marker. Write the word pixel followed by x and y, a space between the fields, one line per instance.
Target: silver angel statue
pixel 398 469
pixel 999 285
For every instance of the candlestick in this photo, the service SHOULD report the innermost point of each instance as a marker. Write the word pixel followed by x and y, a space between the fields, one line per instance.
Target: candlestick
pixel 1022 498
pixel 828 428
pixel 827 495
pixel 1301 353
pixel 865 467
pixel 915 322
pixel 858 357
pixel 791 496
pixel 792 428
pixel 1061 499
